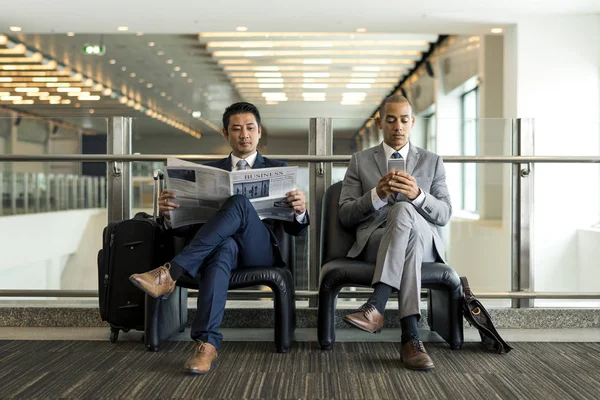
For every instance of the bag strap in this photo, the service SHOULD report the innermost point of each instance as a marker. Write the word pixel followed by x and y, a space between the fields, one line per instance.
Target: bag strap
pixel 466 288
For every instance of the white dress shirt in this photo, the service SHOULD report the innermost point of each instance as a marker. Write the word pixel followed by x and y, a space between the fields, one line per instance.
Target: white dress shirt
pixel 301 218
pixel 377 202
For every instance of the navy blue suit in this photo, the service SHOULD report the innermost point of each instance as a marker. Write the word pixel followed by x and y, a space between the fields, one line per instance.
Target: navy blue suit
pixel 234 237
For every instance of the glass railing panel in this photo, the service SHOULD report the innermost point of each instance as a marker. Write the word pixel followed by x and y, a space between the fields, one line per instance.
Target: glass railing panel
pixel 55 245
pixel 566 232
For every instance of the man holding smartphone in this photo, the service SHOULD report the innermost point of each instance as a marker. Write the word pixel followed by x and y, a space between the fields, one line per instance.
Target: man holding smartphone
pixel 395 196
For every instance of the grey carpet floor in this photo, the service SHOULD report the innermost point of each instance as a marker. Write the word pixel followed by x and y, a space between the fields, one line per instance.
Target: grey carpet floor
pixel 252 370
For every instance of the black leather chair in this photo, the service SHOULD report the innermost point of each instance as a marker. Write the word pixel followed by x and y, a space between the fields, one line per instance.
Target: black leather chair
pixel 163 318
pixel 444 311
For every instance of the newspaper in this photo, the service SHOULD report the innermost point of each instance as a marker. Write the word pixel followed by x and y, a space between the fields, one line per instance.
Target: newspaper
pixel 201 190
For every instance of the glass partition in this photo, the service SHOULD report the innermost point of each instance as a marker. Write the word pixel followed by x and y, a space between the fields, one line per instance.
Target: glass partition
pixel 566 232
pixel 70 198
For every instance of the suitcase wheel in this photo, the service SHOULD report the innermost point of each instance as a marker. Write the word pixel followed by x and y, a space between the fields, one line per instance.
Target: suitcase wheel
pixel 114 335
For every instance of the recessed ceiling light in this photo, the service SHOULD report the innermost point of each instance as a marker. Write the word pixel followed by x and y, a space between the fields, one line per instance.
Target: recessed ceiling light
pixel 497 30
pixel 151 44
pixel 180 105
pixel 160 53
pixel 163 94
pixel 113 61
pixel 177 69
pixel 361 30
pixel 123 68
pixel 122 28
pixel 169 61
pixel 190 80
pixel 92 111
pixel 15 29
pixel 241 28
pixel 149 86
pixel 139 34
pixel 169 98
pixel 70 34
pixel 184 74
pixel 132 74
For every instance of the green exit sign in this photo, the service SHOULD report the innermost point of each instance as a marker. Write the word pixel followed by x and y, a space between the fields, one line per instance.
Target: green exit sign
pixel 94 49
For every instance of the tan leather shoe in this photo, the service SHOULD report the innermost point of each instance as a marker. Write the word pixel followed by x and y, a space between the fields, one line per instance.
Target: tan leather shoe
pixel 205 355
pixel 415 357
pixel 367 318
pixel 156 283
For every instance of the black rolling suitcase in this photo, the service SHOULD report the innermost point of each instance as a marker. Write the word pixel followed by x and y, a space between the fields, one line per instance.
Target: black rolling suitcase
pixel 131 246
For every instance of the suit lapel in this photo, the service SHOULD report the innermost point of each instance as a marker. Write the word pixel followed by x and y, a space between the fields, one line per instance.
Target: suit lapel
pixel 380 159
pixel 413 158
pixel 259 162
pixel 225 163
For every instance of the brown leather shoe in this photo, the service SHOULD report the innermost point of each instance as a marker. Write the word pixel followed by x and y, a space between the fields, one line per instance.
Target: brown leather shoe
pixel 156 283
pixel 415 357
pixel 367 318
pixel 205 355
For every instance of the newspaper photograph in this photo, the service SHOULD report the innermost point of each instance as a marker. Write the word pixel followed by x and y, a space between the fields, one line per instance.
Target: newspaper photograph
pixel 201 190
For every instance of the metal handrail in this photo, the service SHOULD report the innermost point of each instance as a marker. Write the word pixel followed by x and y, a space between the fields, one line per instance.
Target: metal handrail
pixel 292 158
pixel 300 294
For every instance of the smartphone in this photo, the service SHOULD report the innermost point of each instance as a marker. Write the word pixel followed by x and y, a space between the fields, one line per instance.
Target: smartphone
pixel 397 164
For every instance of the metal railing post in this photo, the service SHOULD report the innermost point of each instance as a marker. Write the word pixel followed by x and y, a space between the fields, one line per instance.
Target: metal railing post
pixel 320 144
pixel 36 190
pixel 13 194
pixel 118 174
pixel 26 193
pixel 522 215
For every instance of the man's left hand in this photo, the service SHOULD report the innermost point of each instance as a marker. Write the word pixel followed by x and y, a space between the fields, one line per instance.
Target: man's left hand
pixel 405 184
pixel 297 201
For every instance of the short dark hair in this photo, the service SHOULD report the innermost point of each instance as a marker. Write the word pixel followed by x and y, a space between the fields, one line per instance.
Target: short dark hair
pixel 240 108
pixel 395 98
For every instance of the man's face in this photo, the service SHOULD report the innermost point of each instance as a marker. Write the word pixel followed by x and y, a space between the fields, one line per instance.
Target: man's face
pixel 243 134
pixel 396 122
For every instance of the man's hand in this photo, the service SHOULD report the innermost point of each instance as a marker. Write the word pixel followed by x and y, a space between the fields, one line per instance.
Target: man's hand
pixel 297 201
pixel 404 183
pixel 383 186
pixel 164 205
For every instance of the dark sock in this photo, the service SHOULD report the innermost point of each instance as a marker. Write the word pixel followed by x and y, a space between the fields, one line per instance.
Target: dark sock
pixel 175 271
pixel 380 296
pixel 410 328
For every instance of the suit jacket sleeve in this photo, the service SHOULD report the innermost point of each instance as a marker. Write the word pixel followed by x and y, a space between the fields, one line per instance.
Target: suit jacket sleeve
pixel 437 207
pixel 294 227
pixel 354 205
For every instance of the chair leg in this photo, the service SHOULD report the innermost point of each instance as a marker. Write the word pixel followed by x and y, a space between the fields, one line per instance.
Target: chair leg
pixel 445 317
pixel 326 316
pixel 283 298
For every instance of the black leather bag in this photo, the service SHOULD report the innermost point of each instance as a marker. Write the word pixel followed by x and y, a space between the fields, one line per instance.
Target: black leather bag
pixel 478 317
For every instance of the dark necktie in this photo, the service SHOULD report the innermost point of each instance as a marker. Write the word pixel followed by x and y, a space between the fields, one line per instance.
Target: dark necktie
pixel 396 155
pixel 242 165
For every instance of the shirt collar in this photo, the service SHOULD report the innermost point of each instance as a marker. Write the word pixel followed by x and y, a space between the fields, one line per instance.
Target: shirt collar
pixel 250 160
pixel 389 151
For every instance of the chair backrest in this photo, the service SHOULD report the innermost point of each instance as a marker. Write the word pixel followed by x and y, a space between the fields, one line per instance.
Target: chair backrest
pixel 336 240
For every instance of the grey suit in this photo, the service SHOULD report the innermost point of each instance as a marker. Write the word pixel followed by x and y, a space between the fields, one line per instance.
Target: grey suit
pixel 403 230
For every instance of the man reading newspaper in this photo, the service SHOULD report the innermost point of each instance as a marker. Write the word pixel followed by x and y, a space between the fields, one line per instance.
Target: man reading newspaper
pixel 233 237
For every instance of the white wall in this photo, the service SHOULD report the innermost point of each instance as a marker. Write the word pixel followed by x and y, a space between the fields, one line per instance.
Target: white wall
pixel 558 84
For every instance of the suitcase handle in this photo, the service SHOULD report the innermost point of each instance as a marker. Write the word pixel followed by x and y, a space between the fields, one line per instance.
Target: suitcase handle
pixel 159 185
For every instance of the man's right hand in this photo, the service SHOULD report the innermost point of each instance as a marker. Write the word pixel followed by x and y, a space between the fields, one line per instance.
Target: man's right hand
pixel 383 186
pixel 164 203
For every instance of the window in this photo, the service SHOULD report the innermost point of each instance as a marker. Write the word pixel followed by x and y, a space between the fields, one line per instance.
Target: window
pixel 469 143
